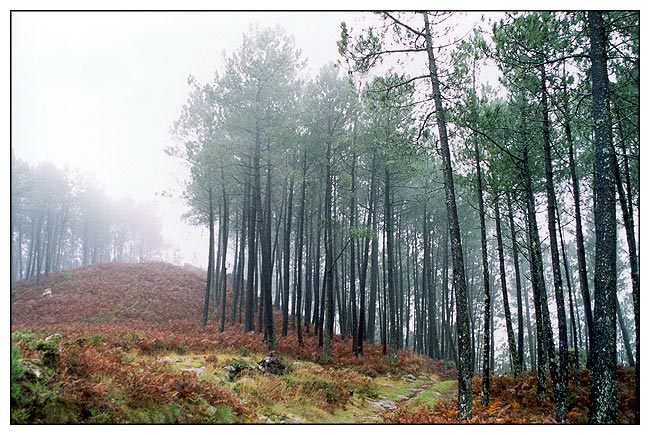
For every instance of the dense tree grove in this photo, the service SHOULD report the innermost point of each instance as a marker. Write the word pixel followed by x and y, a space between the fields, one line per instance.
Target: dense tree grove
pixel 60 220
pixel 400 198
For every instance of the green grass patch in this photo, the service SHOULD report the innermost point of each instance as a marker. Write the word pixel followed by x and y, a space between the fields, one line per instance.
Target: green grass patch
pixel 222 414
pixel 27 339
pixel 392 388
pixel 244 351
pixel 432 395
pixel 65 275
pixel 187 363
pixel 98 318
pixel 347 415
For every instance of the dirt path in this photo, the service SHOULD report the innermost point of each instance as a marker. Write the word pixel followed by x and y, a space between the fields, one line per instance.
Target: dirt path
pixel 382 404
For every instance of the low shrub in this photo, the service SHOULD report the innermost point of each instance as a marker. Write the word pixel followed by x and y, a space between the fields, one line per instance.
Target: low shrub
pixel 17 371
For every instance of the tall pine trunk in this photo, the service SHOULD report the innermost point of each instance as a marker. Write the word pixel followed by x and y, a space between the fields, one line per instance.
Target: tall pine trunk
pixel 390 267
pixel 374 260
pixel 604 404
pixel 328 325
pixel 487 305
pixel 462 317
pixel 545 345
pixel 251 275
pixel 580 243
pixel 361 333
pixel 574 328
pixel 560 383
pixel 514 355
pixel 208 281
pixel 287 247
pixel 515 260
pixel 224 250
pixel 267 259
pixel 353 295
pixel 299 248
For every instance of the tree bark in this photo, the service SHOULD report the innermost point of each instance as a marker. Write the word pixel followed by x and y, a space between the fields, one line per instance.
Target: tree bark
pixel 287 248
pixel 374 259
pixel 299 249
pixel 580 244
pixel 267 259
pixel 604 404
pixel 317 279
pixel 224 238
pixel 239 286
pixel 543 324
pixel 208 281
pixel 249 320
pixel 512 346
pixel 361 334
pixel 353 295
pixel 462 320
pixel 390 266
pixel 487 305
pixel 515 260
pixel 329 263
pixel 561 381
pixel 574 328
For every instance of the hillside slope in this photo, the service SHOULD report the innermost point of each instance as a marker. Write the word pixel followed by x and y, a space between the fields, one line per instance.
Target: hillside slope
pixel 122 343
pixel 163 304
pixel 130 349
pixel 152 292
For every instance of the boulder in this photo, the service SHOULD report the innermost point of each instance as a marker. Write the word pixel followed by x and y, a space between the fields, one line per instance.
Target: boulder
pixel 54 337
pixel 33 370
pixel 197 370
pixel 383 403
pixel 272 364
pixel 47 292
pixel 235 369
pixel 410 377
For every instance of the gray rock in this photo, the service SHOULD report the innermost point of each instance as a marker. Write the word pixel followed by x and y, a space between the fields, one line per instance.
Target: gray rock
pixel 198 370
pixel 56 337
pixel 272 364
pixel 383 403
pixel 293 419
pixel 410 377
pixel 235 370
pixel 32 369
pixel 265 420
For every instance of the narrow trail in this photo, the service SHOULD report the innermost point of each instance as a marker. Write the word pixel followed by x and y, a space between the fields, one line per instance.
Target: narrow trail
pixel 382 404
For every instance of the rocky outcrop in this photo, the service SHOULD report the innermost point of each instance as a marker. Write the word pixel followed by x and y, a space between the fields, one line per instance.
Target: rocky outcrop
pixel 272 364
pixel 235 369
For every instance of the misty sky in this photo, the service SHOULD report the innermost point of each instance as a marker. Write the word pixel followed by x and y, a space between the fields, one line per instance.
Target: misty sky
pixel 99 91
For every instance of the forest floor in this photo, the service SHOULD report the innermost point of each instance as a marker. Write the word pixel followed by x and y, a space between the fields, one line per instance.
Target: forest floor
pixel 121 343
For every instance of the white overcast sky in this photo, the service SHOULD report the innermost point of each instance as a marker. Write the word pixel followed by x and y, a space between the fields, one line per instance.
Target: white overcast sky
pixel 99 91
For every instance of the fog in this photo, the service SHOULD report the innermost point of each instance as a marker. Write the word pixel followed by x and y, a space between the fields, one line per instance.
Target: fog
pixel 99 91
pixel 452 164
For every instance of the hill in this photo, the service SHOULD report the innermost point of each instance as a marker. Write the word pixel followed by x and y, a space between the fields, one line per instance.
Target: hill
pixel 149 292
pixel 163 303
pixel 122 343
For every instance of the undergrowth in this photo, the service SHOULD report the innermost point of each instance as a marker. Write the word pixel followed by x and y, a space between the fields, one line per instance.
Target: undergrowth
pixel 85 381
pixel 119 325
